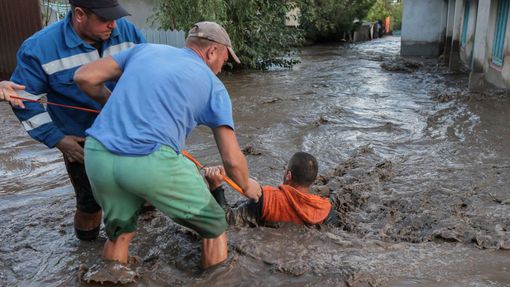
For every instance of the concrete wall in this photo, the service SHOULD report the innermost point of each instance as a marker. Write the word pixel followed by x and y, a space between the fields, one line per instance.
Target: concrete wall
pixel 449 31
pixel 140 11
pixel 423 27
pixel 496 75
pixel 467 50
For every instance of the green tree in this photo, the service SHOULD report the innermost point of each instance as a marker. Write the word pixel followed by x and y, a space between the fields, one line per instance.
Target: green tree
pixel 256 27
pixel 387 8
pixel 397 16
pixel 326 20
pixel 380 10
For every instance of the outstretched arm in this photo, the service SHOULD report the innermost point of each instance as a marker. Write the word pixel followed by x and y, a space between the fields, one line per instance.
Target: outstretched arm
pixel 235 162
pixel 92 76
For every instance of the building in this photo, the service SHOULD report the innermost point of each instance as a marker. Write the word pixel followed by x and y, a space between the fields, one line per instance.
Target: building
pixel 469 34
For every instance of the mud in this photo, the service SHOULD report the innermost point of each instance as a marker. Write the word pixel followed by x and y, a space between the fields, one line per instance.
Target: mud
pixel 402 65
pixel 108 272
pixel 369 210
pixel 417 168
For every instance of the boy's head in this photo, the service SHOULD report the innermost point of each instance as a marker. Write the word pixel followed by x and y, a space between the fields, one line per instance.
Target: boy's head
pixel 301 170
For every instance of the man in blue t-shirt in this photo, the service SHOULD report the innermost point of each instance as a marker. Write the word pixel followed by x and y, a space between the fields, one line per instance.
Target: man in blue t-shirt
pixel 133 149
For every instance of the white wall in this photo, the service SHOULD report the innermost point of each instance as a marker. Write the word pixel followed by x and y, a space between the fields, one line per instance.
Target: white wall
pixel 467 49
pixel 422 20
pixel 423 25
pixel 140 11
pixel 499 76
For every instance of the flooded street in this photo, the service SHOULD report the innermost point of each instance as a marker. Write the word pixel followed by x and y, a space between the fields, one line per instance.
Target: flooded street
pixel 417 167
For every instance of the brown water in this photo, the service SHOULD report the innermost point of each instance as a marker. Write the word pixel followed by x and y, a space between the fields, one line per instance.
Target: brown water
pixel 418 169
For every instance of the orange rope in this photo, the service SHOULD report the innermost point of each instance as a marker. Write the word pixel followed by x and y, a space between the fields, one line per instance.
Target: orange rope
pixel 55 104
pixel 185 153
pixel 225 178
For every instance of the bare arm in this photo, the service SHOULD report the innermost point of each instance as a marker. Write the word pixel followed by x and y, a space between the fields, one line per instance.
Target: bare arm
pixel 235 162
pixel 92 76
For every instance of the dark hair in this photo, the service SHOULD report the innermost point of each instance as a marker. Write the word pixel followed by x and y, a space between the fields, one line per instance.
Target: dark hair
pixel 304 168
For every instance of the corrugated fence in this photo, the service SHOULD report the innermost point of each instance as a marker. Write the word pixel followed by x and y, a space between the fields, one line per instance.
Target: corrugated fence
pixel 173 38
pixel 18 20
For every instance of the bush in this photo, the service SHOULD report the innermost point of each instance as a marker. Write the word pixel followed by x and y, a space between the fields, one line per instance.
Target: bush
pixel 327 20
pixel 385 8
pixel 256 27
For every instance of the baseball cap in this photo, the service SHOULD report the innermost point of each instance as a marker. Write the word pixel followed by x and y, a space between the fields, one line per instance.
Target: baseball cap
pixel 213 32
pixel 106 9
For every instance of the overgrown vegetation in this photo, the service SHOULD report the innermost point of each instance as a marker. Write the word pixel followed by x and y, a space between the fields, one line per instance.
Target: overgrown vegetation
pixel 387 8
pixel 257 27
pixel 327 20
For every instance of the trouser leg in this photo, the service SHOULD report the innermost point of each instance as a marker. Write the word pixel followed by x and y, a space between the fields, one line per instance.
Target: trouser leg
pixel 87 218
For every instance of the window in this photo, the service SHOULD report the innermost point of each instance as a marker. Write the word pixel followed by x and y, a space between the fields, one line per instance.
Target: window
pixel 463 38
pixel 500 33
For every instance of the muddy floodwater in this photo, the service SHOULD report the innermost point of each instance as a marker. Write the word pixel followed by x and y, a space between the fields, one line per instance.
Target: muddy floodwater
pixel 417 167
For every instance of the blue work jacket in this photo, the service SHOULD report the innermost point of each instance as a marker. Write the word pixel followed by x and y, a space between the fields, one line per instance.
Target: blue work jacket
pixel 46 63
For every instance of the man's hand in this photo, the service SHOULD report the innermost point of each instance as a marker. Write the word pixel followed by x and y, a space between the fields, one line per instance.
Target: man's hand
pixel 214 176
pixel 8 90
pixel 254 190
pixel 71 147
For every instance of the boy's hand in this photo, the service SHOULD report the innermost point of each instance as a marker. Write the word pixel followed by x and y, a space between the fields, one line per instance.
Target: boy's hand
pixel 214 176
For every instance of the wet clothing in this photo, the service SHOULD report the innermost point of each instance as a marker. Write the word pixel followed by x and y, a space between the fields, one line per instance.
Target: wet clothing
pixel 183 93
pixel 169 181
pixel 46 65
pixel 287 204
pixel 84 198
pixel 282 204
pixel 133 152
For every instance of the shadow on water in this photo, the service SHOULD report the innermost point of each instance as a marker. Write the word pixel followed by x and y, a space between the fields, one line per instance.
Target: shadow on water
pixel 416 166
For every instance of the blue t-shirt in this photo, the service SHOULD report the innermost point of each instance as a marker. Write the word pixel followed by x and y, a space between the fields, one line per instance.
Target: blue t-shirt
pixel 162 94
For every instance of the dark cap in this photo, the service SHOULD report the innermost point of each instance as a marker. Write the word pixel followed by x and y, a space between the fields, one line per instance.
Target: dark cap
pixel 106 9
pixel 213 32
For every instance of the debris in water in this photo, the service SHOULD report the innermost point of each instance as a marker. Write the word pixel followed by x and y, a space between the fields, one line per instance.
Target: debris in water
pixel 108 272
pixel 321 121
pixel 401 65
pixel 250 150
pixel 271 101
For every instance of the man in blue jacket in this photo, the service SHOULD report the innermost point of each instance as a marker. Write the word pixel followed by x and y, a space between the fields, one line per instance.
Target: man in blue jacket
pixel 46 63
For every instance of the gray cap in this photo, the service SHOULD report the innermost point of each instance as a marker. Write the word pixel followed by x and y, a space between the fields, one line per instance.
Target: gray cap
pixel 213 32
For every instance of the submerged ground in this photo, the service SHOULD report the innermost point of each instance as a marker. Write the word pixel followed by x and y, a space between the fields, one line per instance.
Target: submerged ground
pixel 418 169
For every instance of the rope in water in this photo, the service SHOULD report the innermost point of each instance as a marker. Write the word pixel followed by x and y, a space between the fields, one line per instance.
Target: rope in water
pixel 184 152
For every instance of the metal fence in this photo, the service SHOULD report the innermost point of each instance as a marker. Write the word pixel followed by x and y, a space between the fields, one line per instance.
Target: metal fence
pixel 171 37
pixel 18 20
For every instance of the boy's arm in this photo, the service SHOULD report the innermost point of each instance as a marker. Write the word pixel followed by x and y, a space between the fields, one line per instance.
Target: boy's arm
pixel 247 214
pixel 214 178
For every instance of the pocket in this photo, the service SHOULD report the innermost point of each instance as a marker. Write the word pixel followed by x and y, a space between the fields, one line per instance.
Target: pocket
pixel 63 83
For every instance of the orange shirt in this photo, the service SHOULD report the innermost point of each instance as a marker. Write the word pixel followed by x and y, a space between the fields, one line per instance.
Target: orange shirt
pixel 287 204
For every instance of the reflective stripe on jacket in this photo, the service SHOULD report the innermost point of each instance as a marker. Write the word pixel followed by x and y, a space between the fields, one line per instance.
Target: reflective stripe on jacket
pixel 46 63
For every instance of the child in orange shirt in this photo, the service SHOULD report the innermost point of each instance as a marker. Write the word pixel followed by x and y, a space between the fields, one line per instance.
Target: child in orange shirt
pixel 289 202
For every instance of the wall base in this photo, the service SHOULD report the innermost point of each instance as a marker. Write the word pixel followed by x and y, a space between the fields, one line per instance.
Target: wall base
pixel 455 61
pixel 477 81
pixel 424 49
